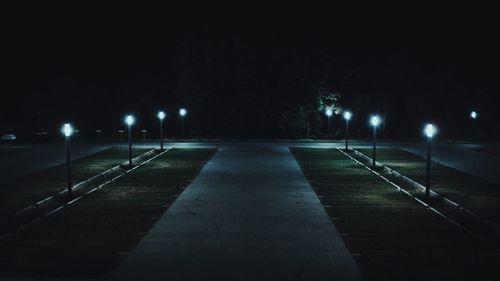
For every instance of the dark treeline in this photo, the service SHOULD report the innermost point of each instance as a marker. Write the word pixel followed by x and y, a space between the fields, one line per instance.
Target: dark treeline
pixel 250 82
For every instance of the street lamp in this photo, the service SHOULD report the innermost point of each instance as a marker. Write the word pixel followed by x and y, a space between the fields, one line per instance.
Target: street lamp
pixel 375 122
pixel 182 113
pixel 473 115
pixel 329 113
pixel 67 131
pixel 347 117
pixel 98 132
pixel 161 115
pixel 121 134
pixel 129 120
pixel 429 131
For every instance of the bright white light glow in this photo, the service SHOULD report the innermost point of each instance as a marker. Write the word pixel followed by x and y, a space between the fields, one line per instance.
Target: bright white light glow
pixel 473 115
pixel 161 115
pixel 329 112
pixel 130 120
pixel 430 130
pixel 182 112
pixel 375 120
pixel 67 130
pixel 347 115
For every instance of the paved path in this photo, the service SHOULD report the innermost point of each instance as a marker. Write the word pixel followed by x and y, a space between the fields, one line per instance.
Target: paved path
pixel 249 215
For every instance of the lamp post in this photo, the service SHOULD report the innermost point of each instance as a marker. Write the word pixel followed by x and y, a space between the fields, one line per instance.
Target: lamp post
pixel 129 120
pixel 144 131
pixel 329 113
pixel 161 116
pixel 67 131
pixel 429 131
pixel 347 117
pixel 375 122
pixel 474 115
pixel 98 132
pixel 182 113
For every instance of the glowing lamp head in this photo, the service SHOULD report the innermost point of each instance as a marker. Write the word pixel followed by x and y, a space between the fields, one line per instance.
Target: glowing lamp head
pixel 375 121
pixel 182 112
pixel 347 115
pixel 129 120
pixel 329 112
pixel 430 130
pixel 67 130
pixel 161 115
pixel 473 115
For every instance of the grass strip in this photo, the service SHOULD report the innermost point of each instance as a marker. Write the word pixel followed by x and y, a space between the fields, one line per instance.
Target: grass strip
pixel 21 192
pixel 391 236
pixel 92 236
pixel 469 191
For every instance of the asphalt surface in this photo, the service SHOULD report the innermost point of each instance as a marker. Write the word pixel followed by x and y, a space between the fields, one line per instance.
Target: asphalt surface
pixel 42 157
pixel 465 158
pixel 250 214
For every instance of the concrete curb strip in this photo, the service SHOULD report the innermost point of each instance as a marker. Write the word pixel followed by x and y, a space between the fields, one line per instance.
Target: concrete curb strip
pixel 104 178
pixel 427 206
pixel 95 179
pixel 421 188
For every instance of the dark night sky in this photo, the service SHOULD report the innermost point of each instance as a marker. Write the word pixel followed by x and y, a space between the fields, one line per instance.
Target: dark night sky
pixel 248 72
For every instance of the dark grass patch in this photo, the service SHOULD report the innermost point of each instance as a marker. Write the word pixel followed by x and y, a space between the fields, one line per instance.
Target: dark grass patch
pixel 91 237
pixel 471 192
pixel 24 191
pixel 392 236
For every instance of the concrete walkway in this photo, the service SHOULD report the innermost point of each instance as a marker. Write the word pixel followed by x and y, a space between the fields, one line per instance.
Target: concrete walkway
pixel 249 215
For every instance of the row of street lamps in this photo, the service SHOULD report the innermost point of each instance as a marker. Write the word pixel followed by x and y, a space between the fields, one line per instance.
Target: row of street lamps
pixel 375 120
pixel 129 120
pixel 429 131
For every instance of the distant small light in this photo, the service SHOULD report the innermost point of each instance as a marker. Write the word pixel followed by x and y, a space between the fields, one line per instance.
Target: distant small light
pixel 67 130
pixel 430 130
pixel 347 115
pixel 161 115
pixel 182 112
pixel 473 115
pixel 375 120
pixel 130 120
pixel 329 112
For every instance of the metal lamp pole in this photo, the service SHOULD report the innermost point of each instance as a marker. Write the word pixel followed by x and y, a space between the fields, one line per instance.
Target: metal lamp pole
pixel 328 113
pixel 182 113
pixel 161 116
pixel 129 145
pixel 67 131
pixel 129 120
pixel 430 131
pixel 347 117
pixel 375 121
pixel 374 146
